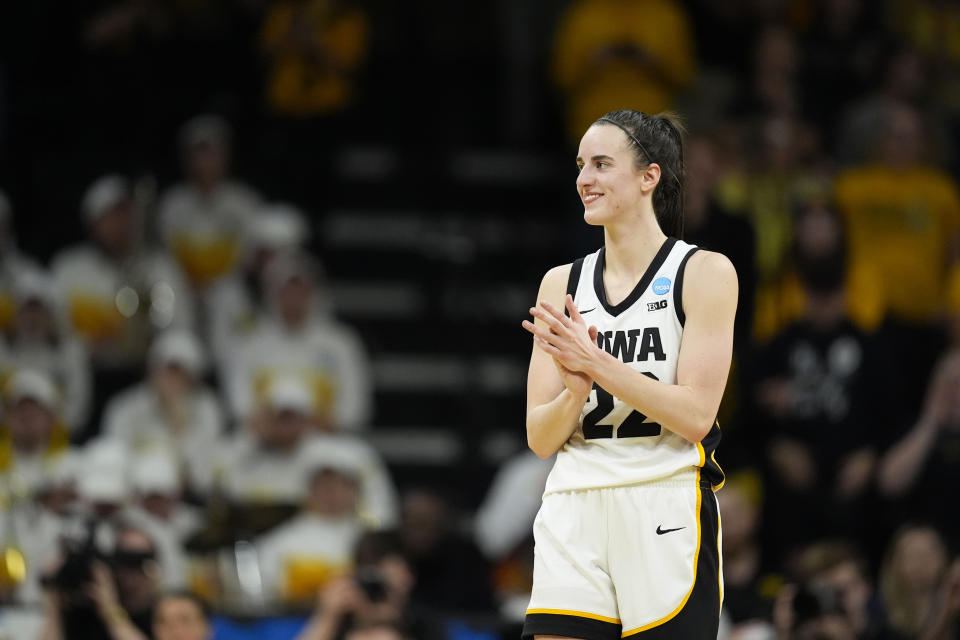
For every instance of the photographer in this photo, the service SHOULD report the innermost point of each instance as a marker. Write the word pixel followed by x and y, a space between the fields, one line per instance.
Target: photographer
pixel 93 595
pixel 835 599
pixel 377 594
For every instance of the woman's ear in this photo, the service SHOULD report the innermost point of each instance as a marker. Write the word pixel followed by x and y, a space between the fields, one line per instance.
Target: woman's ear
pixel 650 177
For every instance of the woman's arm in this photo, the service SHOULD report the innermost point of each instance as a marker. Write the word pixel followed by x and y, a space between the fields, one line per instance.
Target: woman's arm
pixel 555 396
pixel 902 464
pixel 689 407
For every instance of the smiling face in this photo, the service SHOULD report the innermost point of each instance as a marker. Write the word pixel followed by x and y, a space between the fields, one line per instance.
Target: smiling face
pixel 609 183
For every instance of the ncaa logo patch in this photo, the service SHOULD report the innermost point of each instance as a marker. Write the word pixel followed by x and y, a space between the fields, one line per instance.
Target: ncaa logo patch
pixel 661 286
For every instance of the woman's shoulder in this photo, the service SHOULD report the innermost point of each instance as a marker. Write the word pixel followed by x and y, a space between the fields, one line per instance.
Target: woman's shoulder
pixel 710 263
pixel 709 274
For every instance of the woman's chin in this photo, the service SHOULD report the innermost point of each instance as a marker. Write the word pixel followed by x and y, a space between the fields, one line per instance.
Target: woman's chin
pixel 594 217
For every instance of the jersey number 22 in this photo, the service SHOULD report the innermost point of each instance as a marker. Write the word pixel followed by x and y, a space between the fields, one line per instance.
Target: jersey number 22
pixel 600 421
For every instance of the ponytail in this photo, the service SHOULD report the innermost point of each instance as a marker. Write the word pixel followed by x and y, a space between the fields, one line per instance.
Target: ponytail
pixel 657 139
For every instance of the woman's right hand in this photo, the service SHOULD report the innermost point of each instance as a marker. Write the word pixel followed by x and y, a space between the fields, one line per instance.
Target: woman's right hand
pixel 577 382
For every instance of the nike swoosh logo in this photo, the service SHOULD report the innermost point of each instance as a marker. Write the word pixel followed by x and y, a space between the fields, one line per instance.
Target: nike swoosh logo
pixel 585 310
pixel 660 531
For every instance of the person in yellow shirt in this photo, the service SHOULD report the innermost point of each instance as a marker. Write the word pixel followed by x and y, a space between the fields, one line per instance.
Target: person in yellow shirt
pixel 785 300
pixel 612 54
pixel 903 217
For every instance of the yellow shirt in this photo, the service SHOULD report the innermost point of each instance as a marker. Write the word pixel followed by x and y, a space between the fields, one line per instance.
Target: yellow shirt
pixel 903 223
pixel 780 303
pixel 595 83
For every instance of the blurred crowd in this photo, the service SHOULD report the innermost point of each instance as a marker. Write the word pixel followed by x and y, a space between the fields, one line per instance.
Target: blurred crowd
pixel 184 446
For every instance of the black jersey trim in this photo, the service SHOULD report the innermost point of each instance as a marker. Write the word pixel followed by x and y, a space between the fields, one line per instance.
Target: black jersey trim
pixel 678 288
pixel 573 280
pixel 658 260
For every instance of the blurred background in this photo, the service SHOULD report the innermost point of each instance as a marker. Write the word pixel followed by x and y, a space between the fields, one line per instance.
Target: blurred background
pixel 263 266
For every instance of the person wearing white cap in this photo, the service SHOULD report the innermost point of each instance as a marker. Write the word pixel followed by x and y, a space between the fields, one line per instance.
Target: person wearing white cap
pixel 261 464
pixel 203 220
pixel 13 264
pixel 299 556
pixel 158 493
pixel 236 302
pixel 172 411
pixel 116 290
pixel 347 490
pixel 39 338
pixel 33 440
pixel 300 334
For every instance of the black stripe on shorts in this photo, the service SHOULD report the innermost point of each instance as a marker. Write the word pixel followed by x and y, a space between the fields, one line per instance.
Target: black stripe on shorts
pixel 570 626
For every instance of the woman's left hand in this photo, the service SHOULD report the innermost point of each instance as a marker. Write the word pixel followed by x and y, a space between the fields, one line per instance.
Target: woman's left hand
pixel 567 339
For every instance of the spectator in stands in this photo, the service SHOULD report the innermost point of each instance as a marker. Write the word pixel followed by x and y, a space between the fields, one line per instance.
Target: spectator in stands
pixel 158 493
pixel 838 592
pixel 783 167
pixel 29 531
pixel 914 470
pixel 817 386
pixel 238 302
pixel 904 217
pixel 259 463
pixel 121 596
pixel 906 79
pixel 452 575
pixel 181 615
pixel 840 50
pixel 302 555
pixel 314 49
pixel 40 339
pixel 772 89
pixel 612 53
pixel 270 461
pixel 708 225
pixel 300 335
pixel 204 220
pixel 377 593
pixel 117 291
pixel 33 441
pixel 749 588
pixel 503 529
pixel 13 264
pixel 913 573
pixel 784 300
pixel 931 26
pixel 172 410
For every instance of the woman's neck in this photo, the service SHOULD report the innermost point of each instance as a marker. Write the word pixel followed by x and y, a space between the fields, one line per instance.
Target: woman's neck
pixel 632 245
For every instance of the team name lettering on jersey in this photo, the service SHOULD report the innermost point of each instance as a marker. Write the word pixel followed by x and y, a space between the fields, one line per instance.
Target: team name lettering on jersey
pixel 623 344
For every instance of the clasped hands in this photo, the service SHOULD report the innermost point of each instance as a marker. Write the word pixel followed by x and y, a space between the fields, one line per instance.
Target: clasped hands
pixel 571 343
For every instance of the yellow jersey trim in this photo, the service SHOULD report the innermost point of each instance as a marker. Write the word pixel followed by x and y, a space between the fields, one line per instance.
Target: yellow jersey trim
pixel 717 487
pixel 578 614
pixel 696 559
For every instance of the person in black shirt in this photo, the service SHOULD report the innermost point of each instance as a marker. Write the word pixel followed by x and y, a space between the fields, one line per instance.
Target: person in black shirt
pixel 825 396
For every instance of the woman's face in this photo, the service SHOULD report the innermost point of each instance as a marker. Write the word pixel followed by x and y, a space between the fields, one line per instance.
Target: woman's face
pixel 180 619
pixel 920 559
pixel 609 184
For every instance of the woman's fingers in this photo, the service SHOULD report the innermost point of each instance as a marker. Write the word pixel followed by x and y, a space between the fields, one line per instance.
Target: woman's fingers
pixel 572 309
pixel 546 346
pixel 558 315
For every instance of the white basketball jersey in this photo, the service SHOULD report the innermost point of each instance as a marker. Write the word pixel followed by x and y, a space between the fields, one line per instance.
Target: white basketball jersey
pixel 615 444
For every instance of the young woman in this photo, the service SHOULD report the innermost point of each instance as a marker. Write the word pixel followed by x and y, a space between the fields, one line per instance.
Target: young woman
pixel 632 346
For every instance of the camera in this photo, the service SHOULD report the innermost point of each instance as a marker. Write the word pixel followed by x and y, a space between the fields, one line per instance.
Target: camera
pixel 373 584
pixel 813 601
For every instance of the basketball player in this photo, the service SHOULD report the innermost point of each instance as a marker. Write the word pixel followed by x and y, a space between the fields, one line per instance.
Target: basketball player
pixel 632 348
